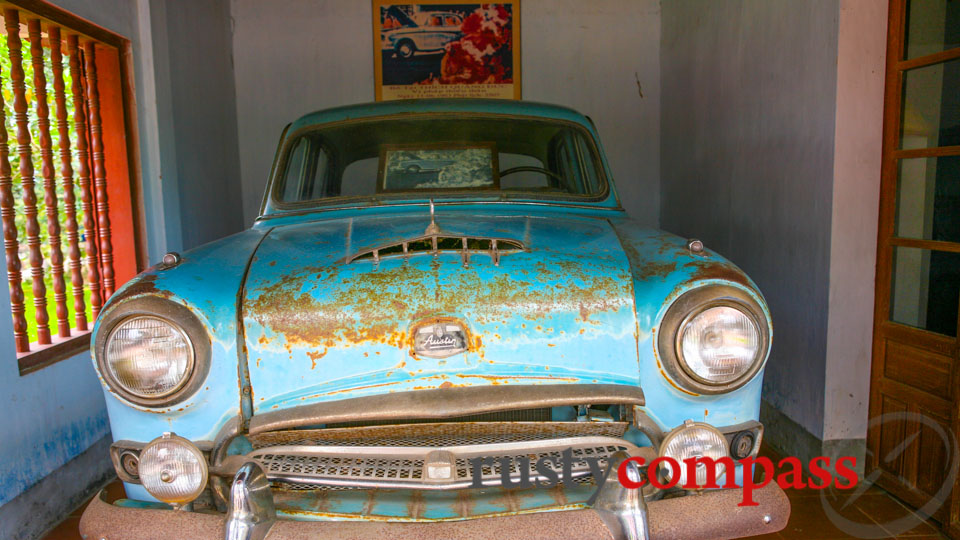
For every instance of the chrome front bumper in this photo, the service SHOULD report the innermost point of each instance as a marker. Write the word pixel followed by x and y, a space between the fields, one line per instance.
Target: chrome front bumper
pixel 618 513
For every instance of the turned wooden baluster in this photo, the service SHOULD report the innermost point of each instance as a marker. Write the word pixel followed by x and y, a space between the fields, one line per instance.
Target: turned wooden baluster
pixel 12 23
pixel 49 180
pixel 10 244
pixel 83 176
pixel 66 173
pixel 99 172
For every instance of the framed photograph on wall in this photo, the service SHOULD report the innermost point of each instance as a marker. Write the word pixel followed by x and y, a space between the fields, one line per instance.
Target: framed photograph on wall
pixel 436 48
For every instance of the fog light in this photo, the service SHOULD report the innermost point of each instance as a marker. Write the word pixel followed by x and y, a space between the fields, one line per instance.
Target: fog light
pixel 172 469
pixel 694 440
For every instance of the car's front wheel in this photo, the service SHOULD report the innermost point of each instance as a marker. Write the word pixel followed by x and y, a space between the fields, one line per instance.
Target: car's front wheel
pixel 406 48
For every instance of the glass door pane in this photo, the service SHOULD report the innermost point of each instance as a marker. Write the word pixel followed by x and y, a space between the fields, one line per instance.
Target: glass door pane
pixel 930 113
pixel 932 26
pixel 928 199
pixel 925 289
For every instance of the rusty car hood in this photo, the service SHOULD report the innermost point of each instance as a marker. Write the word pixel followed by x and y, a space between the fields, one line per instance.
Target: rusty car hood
pixel 317 327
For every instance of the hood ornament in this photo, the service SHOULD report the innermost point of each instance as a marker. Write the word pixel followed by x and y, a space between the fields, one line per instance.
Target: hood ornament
pixel 432 229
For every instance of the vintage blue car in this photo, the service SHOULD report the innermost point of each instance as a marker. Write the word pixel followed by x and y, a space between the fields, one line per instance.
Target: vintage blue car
pixel 460 359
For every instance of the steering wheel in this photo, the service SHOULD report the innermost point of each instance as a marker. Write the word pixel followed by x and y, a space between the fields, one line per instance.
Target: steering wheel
pixel 528 168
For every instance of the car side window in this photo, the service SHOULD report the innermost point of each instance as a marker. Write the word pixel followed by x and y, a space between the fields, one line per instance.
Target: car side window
pixel 567 164
pixel 573 160
pixel 306 175
pixel 589 166
pixel 293 177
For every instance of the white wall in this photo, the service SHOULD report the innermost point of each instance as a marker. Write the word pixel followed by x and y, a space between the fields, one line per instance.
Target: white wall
pixel 296 56
pixel 861 66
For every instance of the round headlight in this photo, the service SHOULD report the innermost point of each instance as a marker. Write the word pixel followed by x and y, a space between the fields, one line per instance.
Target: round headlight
pixel 694 440
pixel 713 339
pixel 172 469
pixel 148 357
pixel 719 344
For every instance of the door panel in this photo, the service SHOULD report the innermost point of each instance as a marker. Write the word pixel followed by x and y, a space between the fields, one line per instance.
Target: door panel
pixel 892 434
pixel 924 370
pixel 915 375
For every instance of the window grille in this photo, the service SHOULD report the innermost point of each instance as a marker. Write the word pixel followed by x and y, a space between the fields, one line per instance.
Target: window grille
pixel 54 197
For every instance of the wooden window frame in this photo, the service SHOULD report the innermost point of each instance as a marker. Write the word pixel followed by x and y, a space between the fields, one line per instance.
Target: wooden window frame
pixel 131 253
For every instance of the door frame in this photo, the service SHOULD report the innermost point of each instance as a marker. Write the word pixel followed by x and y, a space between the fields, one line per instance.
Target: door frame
pixel 884 328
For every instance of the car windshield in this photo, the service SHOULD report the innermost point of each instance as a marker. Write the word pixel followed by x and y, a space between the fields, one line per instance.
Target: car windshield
pixel 440 156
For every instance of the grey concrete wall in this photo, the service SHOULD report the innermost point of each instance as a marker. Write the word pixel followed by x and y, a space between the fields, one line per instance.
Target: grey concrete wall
pixel 204 127
pixel 747 143
pixel 296 56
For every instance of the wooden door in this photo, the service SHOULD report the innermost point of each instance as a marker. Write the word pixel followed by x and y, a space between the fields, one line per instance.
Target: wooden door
pixel 915 374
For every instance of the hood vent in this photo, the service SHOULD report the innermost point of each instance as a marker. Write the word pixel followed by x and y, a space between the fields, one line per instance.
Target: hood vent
pixel 434 244
pixel 434 241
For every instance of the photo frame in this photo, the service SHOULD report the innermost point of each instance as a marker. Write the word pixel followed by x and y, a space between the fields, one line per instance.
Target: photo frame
pixel 447 166
pixel 436 48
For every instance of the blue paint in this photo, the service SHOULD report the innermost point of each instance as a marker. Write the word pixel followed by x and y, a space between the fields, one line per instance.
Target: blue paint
pixel 207 281
pixel 576 302
pixel 580 304
pixel 49 417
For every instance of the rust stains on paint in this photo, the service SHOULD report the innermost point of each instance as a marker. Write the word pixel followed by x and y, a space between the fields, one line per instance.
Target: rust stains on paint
pixel 314 356
pixel 704 269
pixel 652 270
pixel 415 504
pixel 465 503
pixel 332 308
pixel 143 286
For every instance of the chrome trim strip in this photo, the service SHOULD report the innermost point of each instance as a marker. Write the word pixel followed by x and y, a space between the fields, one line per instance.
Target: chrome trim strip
pixel 446 403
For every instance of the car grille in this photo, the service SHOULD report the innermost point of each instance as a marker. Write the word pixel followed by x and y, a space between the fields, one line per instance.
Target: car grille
pixel 394 456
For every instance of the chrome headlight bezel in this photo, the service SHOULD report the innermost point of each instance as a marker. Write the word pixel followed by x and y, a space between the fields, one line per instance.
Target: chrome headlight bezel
pixel 683 310
pixel 181 319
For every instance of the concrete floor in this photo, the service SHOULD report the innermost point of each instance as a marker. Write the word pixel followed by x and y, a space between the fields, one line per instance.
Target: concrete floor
pixel 874 511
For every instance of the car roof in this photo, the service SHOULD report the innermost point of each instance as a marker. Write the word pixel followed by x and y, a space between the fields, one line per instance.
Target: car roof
pixel 453 105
